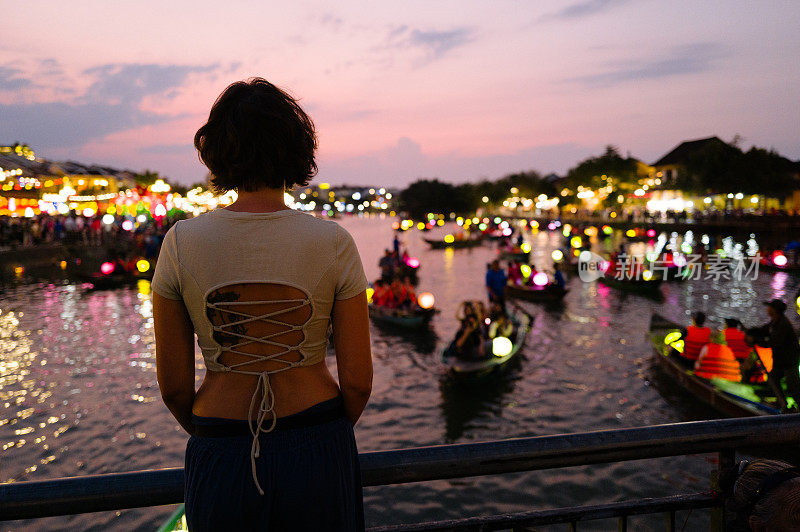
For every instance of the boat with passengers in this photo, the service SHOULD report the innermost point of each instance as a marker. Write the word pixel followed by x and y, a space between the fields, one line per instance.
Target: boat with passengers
pixel 735 399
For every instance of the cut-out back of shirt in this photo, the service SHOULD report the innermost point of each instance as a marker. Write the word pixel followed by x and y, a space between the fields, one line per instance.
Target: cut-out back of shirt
pixel 259 326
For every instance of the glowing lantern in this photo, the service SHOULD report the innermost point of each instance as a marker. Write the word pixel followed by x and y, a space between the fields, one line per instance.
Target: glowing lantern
pixel 525 247
pixel 88 211
pixel 413 262
pixel 590 231
pixel 540 279
pixel 575 252
pixel 396 226
pixel 534 224
pixel 449 239
pixel 557 255
pixel 63 264
pixel 566 231
pixel 160 210
pixel 797 301
pixel 108 219
pixel 525 270
pixel 19 270
pixel 141 218
pixel 426 300
pixel 502 346
pixel 576 242
pixel 420 226
pixel 370 293
pixel 630 233
pixel 672 337
pixel 647 275
pixel 585 256
pixel 142 265
pixel 679 260
pixel 127 225
pixel 607 229
pixel 29 212
pixel 779 259
pixel 678 346
pixel 440 223
pixel 651 233
pixel 506 232
pixel 107 267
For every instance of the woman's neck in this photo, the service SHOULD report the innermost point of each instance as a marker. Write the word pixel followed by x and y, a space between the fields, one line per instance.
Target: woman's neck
pixel 263 200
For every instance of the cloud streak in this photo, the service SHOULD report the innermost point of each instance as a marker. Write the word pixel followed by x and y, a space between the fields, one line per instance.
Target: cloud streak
pixel 431 44
pixel 690 59
pixel 584 9
pixel 111 103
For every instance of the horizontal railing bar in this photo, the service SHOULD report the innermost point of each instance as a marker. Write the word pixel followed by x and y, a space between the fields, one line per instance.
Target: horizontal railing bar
pixel 561 515
pixel 75 495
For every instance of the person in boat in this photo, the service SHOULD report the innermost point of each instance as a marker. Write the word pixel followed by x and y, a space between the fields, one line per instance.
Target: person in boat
pixel 496 281
pixel 469 341
pixel 716 360
pixel 762 496
pixel 735 339
pixel 406 297
pixel 697 335
pixel 514 272
pixel 500 324
pixel 558 276
pixel 386 264
pixel 260 285
pixel 782 338
pixel 382 297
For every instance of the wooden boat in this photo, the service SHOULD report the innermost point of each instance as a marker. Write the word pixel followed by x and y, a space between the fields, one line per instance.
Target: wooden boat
pixel 176 522
pixel 769 266
pixel 101 281
pixel 518 256
pixel 410 319
pixel 640 286
pixel 463 367
pixel 733 399
pixel 550 292
pixel 465 243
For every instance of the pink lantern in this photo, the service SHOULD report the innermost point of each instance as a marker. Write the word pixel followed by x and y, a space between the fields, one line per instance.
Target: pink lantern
pixel 413 262
pixel 107 267
pixel 540 279
pixel 779 259
pixel 651 233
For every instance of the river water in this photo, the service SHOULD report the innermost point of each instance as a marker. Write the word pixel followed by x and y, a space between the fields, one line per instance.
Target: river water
pixel 78 391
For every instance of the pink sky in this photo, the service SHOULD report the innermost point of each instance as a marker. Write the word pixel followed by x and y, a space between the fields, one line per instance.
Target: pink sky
pixel 457 90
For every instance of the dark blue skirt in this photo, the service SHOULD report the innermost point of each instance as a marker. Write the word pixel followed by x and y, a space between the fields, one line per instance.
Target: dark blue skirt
pixel 310 475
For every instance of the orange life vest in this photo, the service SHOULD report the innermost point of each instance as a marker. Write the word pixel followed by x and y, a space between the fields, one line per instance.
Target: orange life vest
pixel 718 361
pixel 696 338
pixel 735 339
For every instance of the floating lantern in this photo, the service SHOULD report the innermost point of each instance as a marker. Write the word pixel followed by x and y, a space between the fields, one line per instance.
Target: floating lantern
pixel 449 239
pixel 88 212
pixel 506 232
pixel 160 210
pixel 552 226
pixel 779 259
pixel 108 219
pixel 590 231
pixel 502 346
pixel 63 264
pixel 607 229
pixel 678 346
pixel 585 256
pixel 534 224
pixel 107 267
pixel 370 293
pixel 525 270
pixel 141 218
pixel 19 270
pixel 647 275
pixel 630 233
pixel 525 247
pixel 420 226
pixel 426 300
pixel 576 242
pixel 127 225
pixel 672 337
pixel 396 226
pixel 576 252
pixel 557 255
pixel 651 233
pixel 142 265
pixel 540 279
pixel 412 262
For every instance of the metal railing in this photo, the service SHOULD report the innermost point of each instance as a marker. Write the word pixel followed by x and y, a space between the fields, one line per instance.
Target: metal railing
pixel 75 495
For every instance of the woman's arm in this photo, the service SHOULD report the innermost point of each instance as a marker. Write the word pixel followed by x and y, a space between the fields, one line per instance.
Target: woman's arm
pixel 350 321
pixel 175 357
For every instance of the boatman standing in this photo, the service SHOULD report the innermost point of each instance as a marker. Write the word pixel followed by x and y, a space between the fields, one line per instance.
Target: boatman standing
pixel 785 349
pixel 496 281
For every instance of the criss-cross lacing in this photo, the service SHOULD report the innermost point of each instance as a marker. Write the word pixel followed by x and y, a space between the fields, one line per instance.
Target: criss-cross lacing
pixel 267 404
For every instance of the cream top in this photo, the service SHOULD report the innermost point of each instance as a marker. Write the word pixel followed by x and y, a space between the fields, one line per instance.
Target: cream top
pixel 224 247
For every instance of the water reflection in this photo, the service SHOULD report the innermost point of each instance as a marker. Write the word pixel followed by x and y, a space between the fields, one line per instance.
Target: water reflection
pixel 465 403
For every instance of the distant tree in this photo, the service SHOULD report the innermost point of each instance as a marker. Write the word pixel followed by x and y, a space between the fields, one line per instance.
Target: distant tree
pixel 590 172
pixel 146 178
pixel 433 196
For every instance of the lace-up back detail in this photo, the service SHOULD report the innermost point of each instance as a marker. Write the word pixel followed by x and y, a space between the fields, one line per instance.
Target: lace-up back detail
pixel 259 326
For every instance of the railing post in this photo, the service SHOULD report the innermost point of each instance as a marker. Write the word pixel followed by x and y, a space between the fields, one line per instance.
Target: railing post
pixel 671 521
pixel 726 459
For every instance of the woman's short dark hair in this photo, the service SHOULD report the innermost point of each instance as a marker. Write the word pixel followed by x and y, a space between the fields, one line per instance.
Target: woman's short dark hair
pixel 699 318
pixel 257 136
